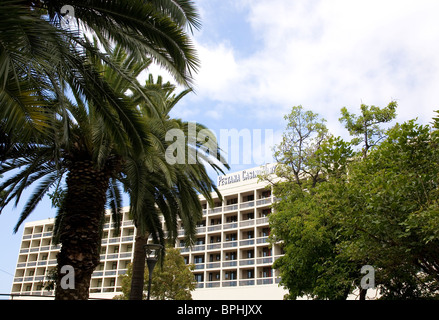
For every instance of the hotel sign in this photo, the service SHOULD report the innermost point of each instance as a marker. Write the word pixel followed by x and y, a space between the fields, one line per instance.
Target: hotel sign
pixel 245 175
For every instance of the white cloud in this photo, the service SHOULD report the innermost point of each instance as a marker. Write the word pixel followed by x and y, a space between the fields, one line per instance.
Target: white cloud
pixel 329 54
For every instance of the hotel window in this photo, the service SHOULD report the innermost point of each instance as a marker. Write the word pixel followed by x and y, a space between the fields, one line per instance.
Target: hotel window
pixel 199 277
pixel 249 216
pixel 266 272
pixel 214 276
pixel 230 275
pixel 198 259
pixel 215 257
pixel 265 232
pixel 266 194
pixel 231 237
pixel 214 239
pixel 231 256
pixel 250 254
pixel 215 221
pixel 266 252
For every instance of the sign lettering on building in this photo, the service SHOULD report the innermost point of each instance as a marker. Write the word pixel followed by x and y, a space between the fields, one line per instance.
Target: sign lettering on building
pixel 245 175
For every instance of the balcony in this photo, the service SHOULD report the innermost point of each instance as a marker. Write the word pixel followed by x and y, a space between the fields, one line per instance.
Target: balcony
pixel 262 281
pixel 230 244
pixel 230 283
pixel 247 262
pixel 214 246
pixel 232 263
pixel 231 225
pixel 216 210
pixel 247 282
pixel 231 207
pixel 264 260
pixel 213 284
pixel 248 204
pixel 246 242
pixel 263 201
pixel 263 220
pixel 247 223
pixel 214 228
pixel 262 240
pixel 199 247
pixel 199 266
pixel 213 265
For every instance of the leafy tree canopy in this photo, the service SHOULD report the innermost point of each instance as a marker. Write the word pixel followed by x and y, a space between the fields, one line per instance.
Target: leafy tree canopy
pixel 379 210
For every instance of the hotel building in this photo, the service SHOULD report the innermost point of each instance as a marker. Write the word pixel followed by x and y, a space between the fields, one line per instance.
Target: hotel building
pixel 232 257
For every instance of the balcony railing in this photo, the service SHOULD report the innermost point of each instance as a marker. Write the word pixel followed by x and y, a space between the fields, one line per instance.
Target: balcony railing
pixel 215 227
pixel 230 225
pixel 231 207
pixel 248 204
pixel 263 201
pixel 246 223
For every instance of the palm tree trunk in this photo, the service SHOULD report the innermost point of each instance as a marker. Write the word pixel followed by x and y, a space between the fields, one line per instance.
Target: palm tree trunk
pixel 81 227
pixel 138 277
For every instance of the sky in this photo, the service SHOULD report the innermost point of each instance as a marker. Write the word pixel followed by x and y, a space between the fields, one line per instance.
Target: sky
pixel 261 58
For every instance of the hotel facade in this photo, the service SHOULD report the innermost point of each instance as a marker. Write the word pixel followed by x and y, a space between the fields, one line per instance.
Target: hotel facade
pixel 232 257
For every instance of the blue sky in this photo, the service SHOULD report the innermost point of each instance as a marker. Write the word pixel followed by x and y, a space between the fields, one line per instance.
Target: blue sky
pixel 260 58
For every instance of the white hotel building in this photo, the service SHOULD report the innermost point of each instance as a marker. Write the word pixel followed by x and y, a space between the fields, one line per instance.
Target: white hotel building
pixel 232 257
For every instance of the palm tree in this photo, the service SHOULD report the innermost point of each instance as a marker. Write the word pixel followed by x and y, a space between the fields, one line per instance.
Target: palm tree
pixel 87 139
pixel 83 148
pixel 171 192
pixel 40 59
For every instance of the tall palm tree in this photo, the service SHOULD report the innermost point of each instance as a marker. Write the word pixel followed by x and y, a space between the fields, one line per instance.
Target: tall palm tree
pixel 170 191
pixel 40 61
pixel 40 58
pixel 83 148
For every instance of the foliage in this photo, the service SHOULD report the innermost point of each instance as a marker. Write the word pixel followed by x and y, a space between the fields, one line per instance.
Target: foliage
pixel 297 152
pixel 379 210
pixel 42 57
pixel 171 280
pixel 366 127
pixel 301 220
pixel 392 220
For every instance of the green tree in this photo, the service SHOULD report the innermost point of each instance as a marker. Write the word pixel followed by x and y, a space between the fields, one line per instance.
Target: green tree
pixel 303 221
pixel 298 150
pixel 366 127
pixel 171 280
pixel 379 210
pixel 391 221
